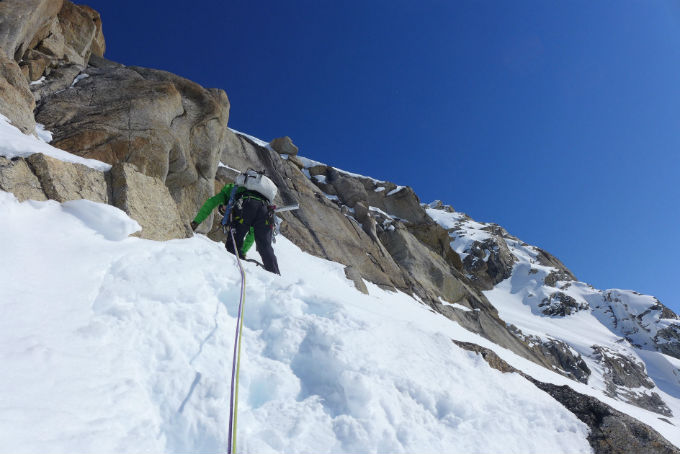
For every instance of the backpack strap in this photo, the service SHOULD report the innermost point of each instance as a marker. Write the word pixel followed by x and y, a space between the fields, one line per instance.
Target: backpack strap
pixel 230 205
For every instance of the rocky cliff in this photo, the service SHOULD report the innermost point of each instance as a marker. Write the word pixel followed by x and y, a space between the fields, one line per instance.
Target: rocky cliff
pixel 167 147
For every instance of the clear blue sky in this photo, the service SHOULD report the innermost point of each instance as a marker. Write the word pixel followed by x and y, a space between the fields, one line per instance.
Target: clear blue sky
pixel 557 120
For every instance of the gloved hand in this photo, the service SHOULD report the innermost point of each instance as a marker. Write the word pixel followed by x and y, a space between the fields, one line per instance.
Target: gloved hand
pixel 194 225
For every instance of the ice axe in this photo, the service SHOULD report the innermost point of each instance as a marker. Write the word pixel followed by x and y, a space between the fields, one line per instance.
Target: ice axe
pixel 295 206
pixel 277 221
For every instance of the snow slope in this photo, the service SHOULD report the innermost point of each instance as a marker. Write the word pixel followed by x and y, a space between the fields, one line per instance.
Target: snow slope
pixel 119 344
pixel 622 321
pixel 111 343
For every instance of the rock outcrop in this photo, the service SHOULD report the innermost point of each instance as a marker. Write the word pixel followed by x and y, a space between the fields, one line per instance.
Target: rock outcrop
pixel 37 36
pixel 610 430
pixel 62 181
pixel 168 127
pixel 23 23
pixel 147 200
pixel 16 177
pixel 318 227
pixel 627 380
pixel 488 262
pixel 560 305
pixel 284 145
pixel 16 100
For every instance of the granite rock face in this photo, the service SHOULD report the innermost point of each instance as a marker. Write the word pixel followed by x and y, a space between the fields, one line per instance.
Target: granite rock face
pixel 168 127
pixel 318 227
pixel 62 181
pixel 37 37
pixel 16 100
pixel 147 200
pixel 25 22
pixel 16 177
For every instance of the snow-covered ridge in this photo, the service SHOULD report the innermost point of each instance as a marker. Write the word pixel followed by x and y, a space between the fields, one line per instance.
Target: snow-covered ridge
pixel 545 302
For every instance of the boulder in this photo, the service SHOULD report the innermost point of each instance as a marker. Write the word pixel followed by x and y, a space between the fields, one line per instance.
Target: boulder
pixel 348 189
pixel 16 100
pixel 37 63
pixel 147 200
pixel 353 275
pixel 318 170
pixel 439 205
pixel 284 145
pixel 16 177
pixel 62 181
pixel 402 203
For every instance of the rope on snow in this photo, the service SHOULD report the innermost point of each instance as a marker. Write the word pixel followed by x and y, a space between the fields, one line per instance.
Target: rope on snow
pixel 236 362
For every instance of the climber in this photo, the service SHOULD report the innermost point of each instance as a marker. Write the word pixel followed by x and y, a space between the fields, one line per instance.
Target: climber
pixel 250 220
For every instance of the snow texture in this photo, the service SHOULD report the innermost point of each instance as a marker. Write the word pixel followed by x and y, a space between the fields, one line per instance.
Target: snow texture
pixel 119 344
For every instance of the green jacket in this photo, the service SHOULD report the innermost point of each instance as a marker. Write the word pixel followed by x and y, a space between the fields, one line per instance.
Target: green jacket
pixel 222 198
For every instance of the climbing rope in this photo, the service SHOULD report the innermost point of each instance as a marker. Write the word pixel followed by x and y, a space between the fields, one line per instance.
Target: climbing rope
pixel 236 362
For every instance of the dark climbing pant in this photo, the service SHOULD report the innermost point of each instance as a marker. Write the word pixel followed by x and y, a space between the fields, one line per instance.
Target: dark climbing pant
pixel 255 213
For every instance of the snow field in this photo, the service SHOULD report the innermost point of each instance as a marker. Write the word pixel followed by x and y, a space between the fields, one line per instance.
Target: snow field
pixel 118 344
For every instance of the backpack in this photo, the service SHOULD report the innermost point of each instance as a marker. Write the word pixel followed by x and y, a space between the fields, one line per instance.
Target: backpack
pixel 258 182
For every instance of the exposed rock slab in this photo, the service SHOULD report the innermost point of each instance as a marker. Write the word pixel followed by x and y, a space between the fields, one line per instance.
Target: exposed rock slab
pixel 353 274
pixel 16 100
pixel 16 177
pixel 21 21
pixel 147 200
pixel 62 181
pixel 318 227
